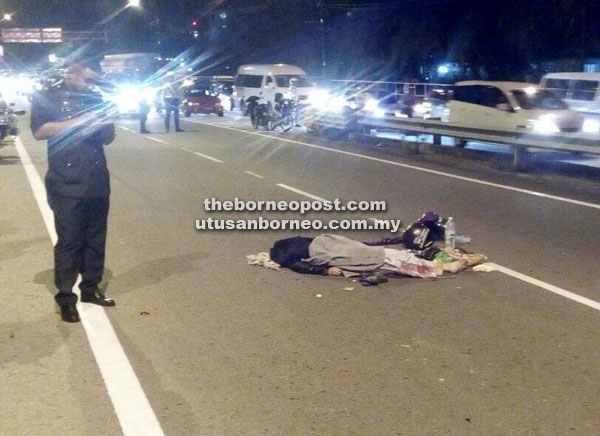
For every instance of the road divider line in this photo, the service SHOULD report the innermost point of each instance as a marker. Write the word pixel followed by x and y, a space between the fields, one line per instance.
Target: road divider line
pixel 547 286
pixel 416 168
pixel 254 174
pixel 131 405
pixel 205 156
pixel 157 140
pixel 298 191
pixel 127 129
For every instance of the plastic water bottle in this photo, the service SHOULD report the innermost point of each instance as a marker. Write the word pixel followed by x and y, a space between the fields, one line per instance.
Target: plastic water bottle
pixel 450 233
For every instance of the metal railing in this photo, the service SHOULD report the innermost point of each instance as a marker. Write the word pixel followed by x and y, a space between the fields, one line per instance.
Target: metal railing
pixel 419 90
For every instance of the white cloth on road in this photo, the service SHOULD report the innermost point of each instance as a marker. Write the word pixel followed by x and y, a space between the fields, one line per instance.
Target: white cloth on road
pixel 263 259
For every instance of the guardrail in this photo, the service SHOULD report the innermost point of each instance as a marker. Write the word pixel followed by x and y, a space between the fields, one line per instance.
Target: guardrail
pixel 573 142
pixel 518 140
pixel 417 89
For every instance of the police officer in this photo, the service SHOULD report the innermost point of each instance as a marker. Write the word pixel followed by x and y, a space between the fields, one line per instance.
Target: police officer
pixel 75 122
pixel 171 100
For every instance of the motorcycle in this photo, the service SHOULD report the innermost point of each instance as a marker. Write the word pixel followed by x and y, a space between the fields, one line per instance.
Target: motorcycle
pixel 269 117
pixel 285 114
pixel 260 113
pixel 8 121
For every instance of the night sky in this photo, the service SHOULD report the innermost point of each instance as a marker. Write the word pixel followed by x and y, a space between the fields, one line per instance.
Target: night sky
pixel 379 38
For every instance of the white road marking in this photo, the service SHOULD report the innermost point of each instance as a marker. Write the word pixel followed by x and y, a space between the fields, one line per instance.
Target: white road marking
pixel 157 140
pixel 298 191
pixel 127 129
pixel 254 174
pixel 187 149
pixel 413 167
pixel 129 400
pixel 547 286
pixel 205 156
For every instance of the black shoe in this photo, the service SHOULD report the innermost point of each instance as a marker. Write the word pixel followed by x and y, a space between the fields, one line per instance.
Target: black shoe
pixel 97 298
pixel 373 280
pixel 69 313
pixel 144 131
pixel 179 130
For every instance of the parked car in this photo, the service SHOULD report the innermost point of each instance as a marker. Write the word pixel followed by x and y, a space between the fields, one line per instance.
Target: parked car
pixel 581 91
pixel 511 106
pixel 201 100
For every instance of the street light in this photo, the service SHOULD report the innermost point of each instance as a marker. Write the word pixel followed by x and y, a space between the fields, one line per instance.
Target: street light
pixel 134 4
pixel 7 17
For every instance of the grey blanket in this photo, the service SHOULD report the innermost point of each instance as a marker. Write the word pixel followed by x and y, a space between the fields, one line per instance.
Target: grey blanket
pixel 351 256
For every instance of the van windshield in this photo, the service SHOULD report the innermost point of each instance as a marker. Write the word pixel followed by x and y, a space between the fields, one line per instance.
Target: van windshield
pixel 300 81
pixel 540 99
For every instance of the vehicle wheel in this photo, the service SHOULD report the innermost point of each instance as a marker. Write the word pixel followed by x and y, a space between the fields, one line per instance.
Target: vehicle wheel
pixel 220 114
pixel 187 114
pixel 460 143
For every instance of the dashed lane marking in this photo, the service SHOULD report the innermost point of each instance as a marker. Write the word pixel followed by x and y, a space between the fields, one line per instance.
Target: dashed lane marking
pixel 413 167
pixel 205 156
pixel 156 140
pixel 254 174
pixel 298 191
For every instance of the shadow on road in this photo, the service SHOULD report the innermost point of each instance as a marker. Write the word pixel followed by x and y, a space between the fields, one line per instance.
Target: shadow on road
pixel 9 160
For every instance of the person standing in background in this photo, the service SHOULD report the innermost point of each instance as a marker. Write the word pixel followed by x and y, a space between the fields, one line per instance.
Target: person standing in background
pixel 172 98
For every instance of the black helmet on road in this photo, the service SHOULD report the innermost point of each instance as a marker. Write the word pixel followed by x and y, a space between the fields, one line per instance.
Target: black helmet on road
pixel 434 223
pixel 418 237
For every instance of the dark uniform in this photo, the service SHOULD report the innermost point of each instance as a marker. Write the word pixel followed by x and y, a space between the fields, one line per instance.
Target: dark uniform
pixel 78 190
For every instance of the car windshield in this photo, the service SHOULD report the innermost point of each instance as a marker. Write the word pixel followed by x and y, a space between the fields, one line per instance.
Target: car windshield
pixel 300 81
pixel 540 99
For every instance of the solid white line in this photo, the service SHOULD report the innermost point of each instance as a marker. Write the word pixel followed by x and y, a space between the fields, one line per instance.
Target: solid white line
pixel 157 140
pixel 205 156
pixel 547 286
pixel 187 149
pixel 126 128
pixel 129 400
pixel 254 174
pixel 413 167
pixel 298 191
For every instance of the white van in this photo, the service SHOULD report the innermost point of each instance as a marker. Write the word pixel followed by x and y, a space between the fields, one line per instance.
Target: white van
pixel 581 91
pixel 266 80
pixel 510 106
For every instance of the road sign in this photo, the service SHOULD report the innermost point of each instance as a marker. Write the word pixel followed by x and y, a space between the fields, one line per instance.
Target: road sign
pixel 18 35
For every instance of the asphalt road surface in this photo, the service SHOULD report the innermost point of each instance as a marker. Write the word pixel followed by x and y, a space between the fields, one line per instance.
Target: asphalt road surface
pixel 200 343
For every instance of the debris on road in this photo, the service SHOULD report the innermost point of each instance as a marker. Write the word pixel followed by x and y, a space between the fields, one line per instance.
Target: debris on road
pixel 484 267
pixel 373 263
pixel 144 313
pixel 263 259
